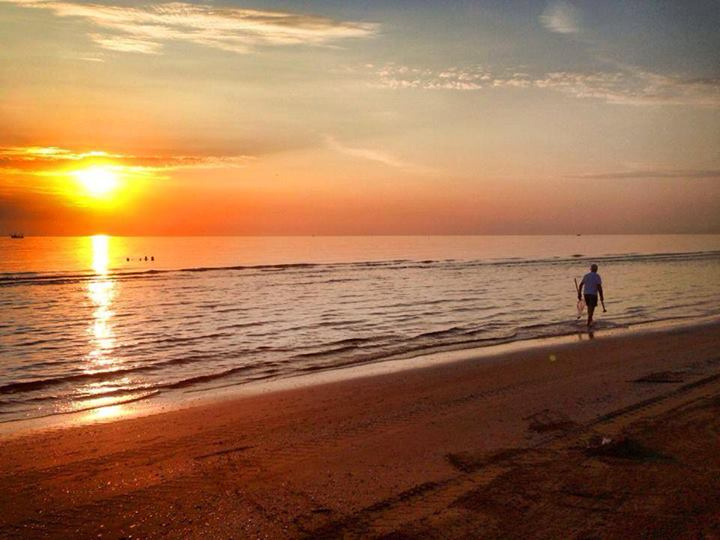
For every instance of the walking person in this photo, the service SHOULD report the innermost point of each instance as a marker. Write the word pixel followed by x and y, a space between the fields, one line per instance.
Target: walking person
pixel 591 287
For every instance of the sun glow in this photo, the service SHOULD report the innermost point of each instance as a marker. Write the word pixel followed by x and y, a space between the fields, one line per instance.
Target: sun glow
pixel 99 182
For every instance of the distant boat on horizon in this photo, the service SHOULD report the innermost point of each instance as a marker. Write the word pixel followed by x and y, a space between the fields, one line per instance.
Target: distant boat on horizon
pixel 17 235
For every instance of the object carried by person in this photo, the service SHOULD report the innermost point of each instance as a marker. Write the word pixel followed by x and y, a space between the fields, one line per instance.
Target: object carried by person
pixel 580 303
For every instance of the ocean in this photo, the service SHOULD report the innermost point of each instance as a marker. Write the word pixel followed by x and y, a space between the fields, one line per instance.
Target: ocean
pixel 90 322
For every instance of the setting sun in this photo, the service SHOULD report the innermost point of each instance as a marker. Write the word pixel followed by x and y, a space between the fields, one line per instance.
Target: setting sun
pixel 98 181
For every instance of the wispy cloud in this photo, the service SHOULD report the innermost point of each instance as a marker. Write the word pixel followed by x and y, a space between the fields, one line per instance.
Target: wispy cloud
pixel 635 87
pixel 561 17
pixel 453 78
pixel 51 160
pixel 628 85
pixel 369 154
pixel 657 173
pixel 145 29
pixel 126 43
pixel 394 76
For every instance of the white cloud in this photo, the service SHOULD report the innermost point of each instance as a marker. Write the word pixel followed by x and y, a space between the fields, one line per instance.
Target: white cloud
pixel 635 86
pixel 145 29
pixel 126 44
pixel 626 85
pixel 561 17
pixel 395 76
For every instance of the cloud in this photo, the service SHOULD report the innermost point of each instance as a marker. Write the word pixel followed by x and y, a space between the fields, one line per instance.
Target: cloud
pixel 464 79
pixel 393 76
pixel 52 160
pixel 635 87
pixel 126 44
pixel 372 155
pixel 641 174
pixel 627 85
pixel 146 29
pixel 561 17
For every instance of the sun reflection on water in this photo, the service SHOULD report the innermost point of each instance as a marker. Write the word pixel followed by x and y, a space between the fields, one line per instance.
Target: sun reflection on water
pixel 101 291
pixel 100 253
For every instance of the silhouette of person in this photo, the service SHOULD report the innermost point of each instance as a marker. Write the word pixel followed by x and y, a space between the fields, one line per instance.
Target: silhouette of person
pixel 592 285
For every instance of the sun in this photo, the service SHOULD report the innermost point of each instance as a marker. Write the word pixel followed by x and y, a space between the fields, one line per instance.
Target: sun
pixel 98 181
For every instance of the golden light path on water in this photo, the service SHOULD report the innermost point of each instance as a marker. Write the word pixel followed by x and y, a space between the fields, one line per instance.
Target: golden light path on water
pixel 101 292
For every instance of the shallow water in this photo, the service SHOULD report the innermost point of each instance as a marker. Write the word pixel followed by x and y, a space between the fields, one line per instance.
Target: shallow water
pixel 82 326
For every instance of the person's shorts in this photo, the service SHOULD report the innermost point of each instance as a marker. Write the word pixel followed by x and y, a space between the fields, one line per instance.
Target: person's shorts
pixel 591 300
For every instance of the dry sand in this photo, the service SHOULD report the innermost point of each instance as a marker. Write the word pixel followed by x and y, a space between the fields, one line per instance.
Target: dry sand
pixel 508 446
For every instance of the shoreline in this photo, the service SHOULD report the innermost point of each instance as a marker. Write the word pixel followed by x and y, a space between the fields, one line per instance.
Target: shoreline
pixel 155 402
pixel 443 450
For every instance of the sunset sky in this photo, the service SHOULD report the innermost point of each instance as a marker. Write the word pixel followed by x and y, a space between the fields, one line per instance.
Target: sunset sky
pixel 362 117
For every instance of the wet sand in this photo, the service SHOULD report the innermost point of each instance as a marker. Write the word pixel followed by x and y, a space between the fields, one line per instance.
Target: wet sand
pixel 612 438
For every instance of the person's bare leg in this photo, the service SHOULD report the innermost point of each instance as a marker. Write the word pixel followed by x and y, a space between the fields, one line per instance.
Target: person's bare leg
pixel 591 310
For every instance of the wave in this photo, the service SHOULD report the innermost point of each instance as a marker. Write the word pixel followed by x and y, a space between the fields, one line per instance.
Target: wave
pixel 38 384
pixel 59 278
pixel 332 355
pixel 372 348
pixel 33 385
pixel 327 352
pixel 90 408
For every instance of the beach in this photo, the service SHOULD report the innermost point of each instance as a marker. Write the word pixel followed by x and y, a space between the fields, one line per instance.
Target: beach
pixel 614 437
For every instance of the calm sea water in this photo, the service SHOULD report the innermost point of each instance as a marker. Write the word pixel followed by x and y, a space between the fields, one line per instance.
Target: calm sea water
pixel 89 322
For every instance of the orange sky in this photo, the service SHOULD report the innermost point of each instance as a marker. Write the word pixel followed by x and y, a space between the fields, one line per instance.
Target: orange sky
pixel 257 118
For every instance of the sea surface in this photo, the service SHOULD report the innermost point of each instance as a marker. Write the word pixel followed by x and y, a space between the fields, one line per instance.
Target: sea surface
pixel 93 322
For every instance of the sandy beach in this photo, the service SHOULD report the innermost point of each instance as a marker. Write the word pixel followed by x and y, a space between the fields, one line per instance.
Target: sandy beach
pixel 611 438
